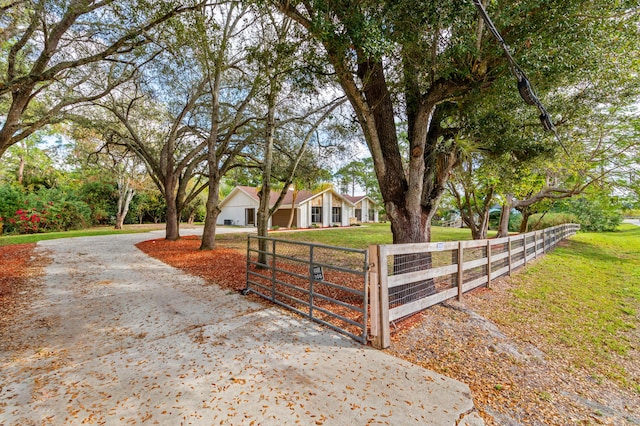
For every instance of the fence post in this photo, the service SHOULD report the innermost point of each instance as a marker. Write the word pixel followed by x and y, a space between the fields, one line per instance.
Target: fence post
pixel 311 280
pixel 488 263
pixel 374 294
pixel 524 248
pixel 535 245
pixel 380 327
pixel 509 251
pixel 385 327
pixel 273 270
pixel 460 269
pixel 246 286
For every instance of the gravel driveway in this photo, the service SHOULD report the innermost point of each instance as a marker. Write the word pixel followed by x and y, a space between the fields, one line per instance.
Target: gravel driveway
pixel 116 337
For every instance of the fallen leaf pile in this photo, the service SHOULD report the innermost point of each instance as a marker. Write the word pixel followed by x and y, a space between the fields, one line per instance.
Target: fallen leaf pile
pixel 14 277
pixel 222 266
pixel 18 286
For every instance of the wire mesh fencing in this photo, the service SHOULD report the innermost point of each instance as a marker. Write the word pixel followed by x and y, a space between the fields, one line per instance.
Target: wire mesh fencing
pixel 413 277
pixel 324 283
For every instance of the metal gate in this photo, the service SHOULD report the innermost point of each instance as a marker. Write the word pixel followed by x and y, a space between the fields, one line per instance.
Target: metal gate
pixel 324 283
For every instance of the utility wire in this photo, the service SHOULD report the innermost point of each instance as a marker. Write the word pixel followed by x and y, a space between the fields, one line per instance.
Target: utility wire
pixel 524 86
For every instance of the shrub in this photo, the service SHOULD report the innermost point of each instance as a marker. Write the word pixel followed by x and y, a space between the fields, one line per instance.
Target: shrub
pixel 315 225
pixel 548 220
pixel 66 215
pixel 596 214
pixel 11 199
pixel 275 228
pixel 28 221
pixel 631 213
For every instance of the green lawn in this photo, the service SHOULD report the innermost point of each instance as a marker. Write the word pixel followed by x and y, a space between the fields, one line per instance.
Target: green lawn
pixel 353 237
pixel 359 237
pixel 583 299
pixel 106 230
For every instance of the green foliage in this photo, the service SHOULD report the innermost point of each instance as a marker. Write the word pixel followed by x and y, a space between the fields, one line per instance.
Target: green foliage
pixel 594 214
pixel 148 206
pixel 548 220
pixel 10 201
pixel 66 215
pixel 514 220
pixel 632 213
pixel 101 197
pixel 42 211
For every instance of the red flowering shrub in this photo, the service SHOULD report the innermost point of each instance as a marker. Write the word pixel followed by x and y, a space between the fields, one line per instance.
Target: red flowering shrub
pixel 28 221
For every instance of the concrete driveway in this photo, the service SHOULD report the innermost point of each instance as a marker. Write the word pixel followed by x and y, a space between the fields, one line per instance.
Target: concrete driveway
pixel 115 337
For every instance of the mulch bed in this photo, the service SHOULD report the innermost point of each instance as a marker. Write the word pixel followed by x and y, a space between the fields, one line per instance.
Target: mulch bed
pixel 14 277
pixel 222 266
pixel 19 287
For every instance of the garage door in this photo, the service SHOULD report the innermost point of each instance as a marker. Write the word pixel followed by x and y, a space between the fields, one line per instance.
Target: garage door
pixel 281 218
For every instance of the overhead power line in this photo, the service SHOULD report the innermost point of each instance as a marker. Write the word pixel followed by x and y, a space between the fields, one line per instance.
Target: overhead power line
pixel 524 86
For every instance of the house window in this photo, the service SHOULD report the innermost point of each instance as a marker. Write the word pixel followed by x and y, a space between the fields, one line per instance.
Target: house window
pixel 372 217
pixel 316 214
pixel 359 215
pixel 336 214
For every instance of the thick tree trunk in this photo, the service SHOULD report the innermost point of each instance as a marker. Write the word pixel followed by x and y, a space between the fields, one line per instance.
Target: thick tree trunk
pixel 483 227
pixel 172 226
pixel 505 214
pixel 172 215
pixel 213 210
pixel 408 228
pixel 525 221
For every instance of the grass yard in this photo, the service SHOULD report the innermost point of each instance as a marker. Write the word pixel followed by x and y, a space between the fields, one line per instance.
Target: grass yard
pixel 98 230
pixel 584 303
pixel 358 237
pixel 566 349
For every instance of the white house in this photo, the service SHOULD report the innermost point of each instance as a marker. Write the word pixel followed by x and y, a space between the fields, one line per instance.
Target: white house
pixel 364 208
pixel 324 209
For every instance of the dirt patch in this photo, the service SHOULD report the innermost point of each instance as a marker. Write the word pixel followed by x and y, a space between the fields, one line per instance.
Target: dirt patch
pixel 514 378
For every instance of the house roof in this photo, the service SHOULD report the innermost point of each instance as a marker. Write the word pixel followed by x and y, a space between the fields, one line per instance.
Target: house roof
pixel 301 197
pixel 252 192
pixel 357 198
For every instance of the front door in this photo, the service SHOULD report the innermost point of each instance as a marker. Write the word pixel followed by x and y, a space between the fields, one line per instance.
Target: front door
pixel 250 216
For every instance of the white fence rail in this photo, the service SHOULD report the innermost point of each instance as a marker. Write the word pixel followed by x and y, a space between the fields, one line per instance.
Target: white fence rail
pixel 408 278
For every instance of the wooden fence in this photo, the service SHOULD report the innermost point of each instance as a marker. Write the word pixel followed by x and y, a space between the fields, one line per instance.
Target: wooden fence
pixel 407 278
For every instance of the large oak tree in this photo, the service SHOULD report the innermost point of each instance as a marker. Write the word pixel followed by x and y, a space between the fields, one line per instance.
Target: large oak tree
pixel 54 56
pixel 399 61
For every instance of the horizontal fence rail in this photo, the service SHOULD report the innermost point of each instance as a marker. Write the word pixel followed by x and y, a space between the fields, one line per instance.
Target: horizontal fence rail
pixel 324 283
pixel 413 277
